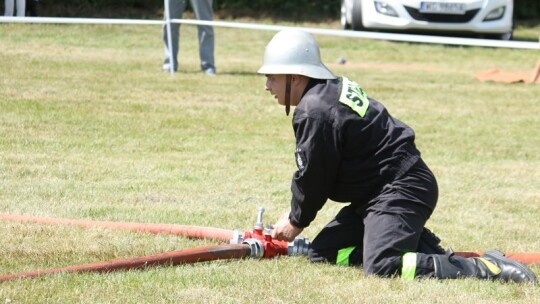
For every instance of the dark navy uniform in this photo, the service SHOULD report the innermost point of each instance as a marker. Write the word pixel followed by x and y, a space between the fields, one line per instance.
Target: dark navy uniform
pixel 350 149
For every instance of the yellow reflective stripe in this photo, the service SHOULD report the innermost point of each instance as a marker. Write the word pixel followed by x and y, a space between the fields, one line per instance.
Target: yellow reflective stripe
pixel 353 96
pixel 492 267
pixel 408 266
pixel 343 256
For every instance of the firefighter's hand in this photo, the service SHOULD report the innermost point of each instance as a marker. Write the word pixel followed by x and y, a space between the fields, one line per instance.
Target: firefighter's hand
pixel 284 230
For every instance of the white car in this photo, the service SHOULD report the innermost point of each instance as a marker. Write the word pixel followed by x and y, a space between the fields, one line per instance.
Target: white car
pixel 490 18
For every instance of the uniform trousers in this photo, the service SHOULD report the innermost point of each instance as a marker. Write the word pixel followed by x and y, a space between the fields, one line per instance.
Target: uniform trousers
pixel 376 233
pixel 203 11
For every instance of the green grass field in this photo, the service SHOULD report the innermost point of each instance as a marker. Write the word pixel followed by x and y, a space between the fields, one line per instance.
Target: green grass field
pixel 91 128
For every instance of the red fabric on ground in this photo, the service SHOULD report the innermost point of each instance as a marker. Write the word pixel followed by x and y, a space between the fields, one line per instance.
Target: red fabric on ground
pixel 511 76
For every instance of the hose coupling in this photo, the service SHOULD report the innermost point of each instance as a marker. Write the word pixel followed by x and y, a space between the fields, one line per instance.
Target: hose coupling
pixel 257 248
pixel 298 247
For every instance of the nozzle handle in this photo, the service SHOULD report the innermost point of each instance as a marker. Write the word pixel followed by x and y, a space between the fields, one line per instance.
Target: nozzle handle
pixel 259 223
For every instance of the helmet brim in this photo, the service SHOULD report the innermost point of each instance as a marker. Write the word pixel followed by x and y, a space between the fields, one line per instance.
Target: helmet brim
pixel 312 71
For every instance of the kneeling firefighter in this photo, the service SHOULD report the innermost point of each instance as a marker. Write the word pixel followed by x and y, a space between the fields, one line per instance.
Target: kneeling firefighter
pixel 351 150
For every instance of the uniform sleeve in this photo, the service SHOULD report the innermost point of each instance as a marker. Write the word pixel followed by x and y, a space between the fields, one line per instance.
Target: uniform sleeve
pixel 317 157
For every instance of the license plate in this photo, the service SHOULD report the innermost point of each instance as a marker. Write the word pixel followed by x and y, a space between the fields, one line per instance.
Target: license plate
pixel 442 8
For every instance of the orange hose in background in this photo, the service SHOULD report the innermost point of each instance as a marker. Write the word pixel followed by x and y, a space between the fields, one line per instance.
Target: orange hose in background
pixel 523 257
pixel 198 232
pixel 187 256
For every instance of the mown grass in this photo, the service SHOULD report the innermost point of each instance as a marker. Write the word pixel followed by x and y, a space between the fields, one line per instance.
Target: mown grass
pixel 92 128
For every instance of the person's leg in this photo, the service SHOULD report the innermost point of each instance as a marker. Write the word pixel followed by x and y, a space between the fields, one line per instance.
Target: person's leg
pixel 21 8
pixel 9 8
pixel 340 241
pixel 407 202
pixel 387 236
pixel 394 221
pixel 176 9
pixel 203 11
pixel 393 229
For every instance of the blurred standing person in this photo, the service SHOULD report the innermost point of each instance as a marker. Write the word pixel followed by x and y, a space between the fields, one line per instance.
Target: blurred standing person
pixel 203 11
pixel 9 6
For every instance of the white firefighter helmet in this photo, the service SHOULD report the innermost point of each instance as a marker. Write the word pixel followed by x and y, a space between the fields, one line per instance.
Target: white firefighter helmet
pixel 294 52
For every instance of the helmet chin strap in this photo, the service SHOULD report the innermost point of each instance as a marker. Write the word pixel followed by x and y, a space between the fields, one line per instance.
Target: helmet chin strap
pixel 288 94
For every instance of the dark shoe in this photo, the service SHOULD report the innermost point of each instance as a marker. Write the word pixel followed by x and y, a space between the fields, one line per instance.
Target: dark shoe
pixel 493 265
pixel 511 271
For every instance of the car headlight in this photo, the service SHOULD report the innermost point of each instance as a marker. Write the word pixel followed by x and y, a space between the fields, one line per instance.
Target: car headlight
pixel 495 14
pixel 385 9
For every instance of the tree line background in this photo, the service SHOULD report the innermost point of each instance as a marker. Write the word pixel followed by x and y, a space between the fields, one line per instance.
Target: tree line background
pixel 298 10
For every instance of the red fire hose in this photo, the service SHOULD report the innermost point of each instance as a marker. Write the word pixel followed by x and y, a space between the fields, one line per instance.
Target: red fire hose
pixel 194 255
pixel 257 243
pixel 196 232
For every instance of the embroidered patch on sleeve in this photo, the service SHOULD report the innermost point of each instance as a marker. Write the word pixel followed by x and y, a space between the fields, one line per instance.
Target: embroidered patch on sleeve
pixel 300 159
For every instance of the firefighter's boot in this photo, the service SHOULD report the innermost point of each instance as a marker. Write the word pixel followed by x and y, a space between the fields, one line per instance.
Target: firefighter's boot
pixel 492 265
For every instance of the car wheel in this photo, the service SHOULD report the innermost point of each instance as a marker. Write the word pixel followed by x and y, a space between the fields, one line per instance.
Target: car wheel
pixel 345 24
pixel 356 20
pixel 506 36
